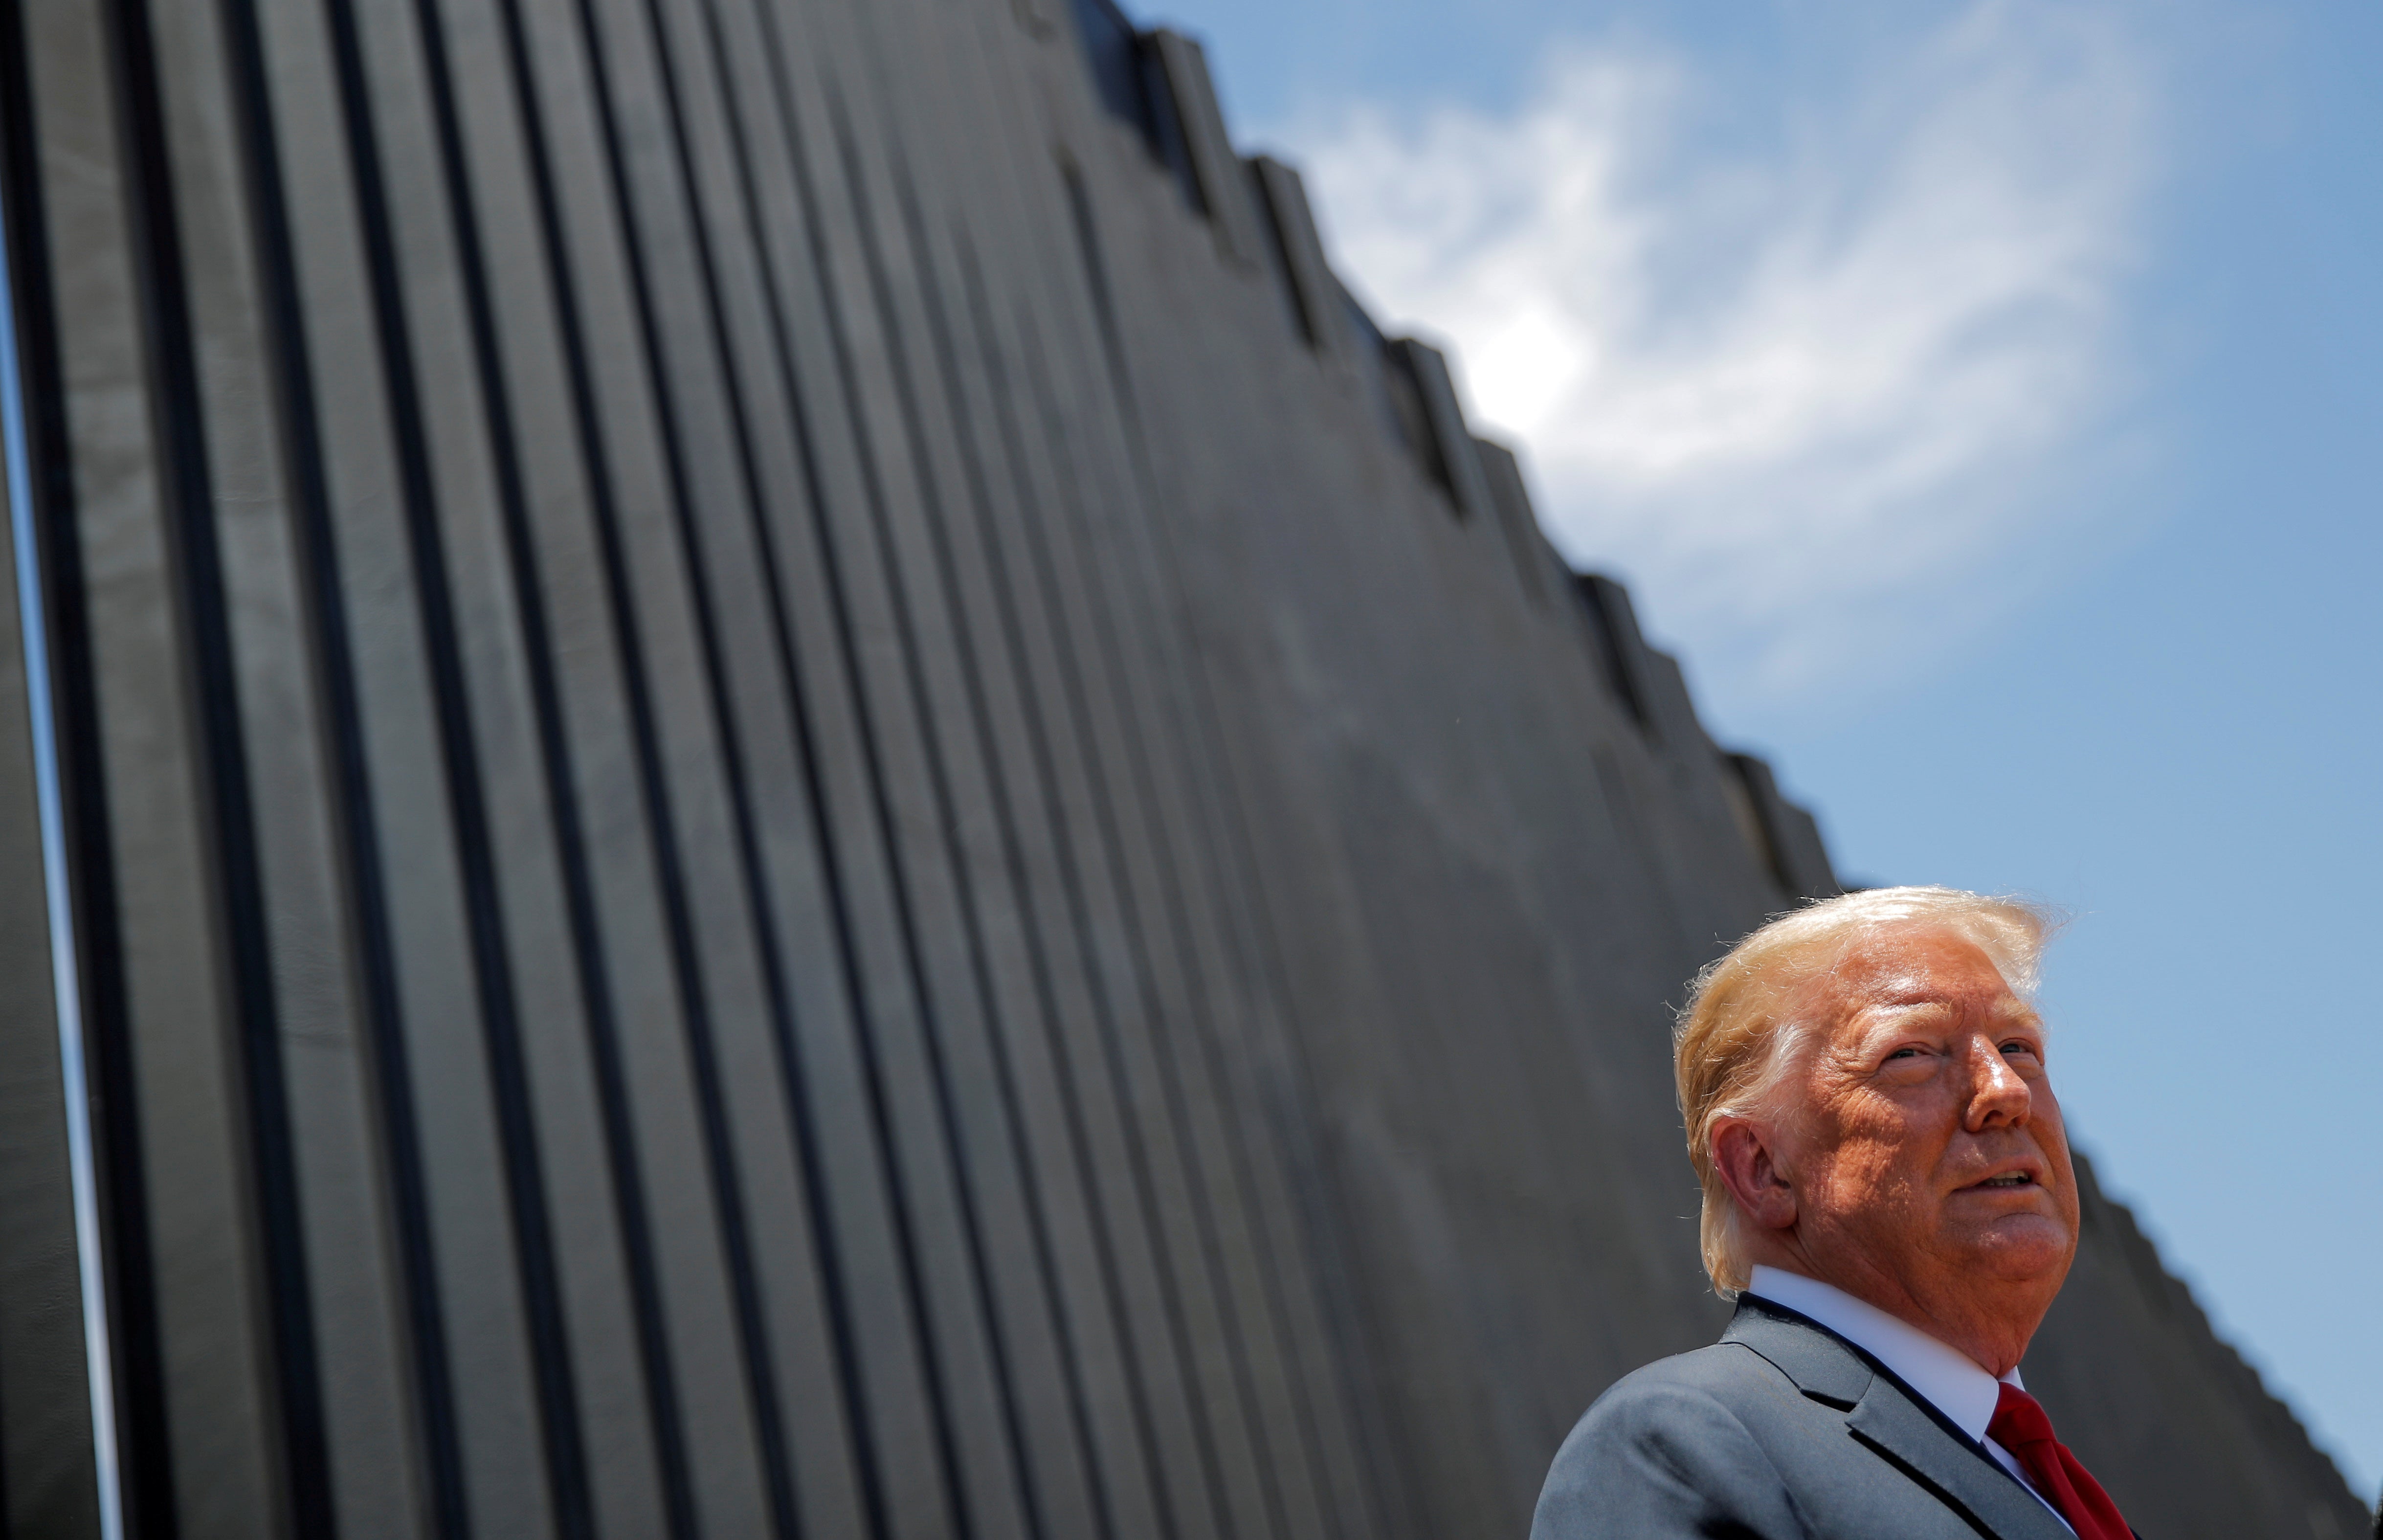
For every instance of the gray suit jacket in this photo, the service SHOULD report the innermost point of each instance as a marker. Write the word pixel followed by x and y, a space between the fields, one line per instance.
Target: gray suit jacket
pixel 1780 1431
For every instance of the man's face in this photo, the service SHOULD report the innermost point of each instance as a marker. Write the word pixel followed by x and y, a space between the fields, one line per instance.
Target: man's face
pixel 1925 1150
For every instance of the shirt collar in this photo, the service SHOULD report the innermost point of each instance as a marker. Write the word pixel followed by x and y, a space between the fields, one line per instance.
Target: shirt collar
pixel 1951 1380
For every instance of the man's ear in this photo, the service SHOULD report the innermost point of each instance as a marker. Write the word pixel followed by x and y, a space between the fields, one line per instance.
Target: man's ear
pixel 1742 1154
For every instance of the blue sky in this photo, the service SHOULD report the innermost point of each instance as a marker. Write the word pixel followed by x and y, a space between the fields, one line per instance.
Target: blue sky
pixel 1981 395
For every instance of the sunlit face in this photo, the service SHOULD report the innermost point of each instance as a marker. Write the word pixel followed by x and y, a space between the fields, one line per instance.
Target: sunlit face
pixel 1925 1150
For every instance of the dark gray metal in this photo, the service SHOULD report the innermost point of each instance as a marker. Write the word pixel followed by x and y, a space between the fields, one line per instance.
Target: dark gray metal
pixel 1537 568
pixel 776 819
pixel 1452 453
pixel 1224 189
pixel 58 1470
pixel 1787 834
pixel 1321 311
pixel 1629 665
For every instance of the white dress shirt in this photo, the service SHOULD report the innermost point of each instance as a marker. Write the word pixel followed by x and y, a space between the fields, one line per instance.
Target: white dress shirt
pixel 1952 1381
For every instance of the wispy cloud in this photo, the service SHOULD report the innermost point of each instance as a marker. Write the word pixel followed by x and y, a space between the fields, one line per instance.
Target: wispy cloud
pixel 1817 393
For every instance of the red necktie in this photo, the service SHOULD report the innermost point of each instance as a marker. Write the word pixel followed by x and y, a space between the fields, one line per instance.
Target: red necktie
pixel 2021 1427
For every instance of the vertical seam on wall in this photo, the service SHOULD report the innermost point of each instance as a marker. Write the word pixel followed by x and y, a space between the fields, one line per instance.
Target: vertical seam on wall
pixel 1105 1007
pixel 734 1221
pixel 655 1362
pixel 939 775
pixel 1236 816
pixel 330 668
pixel 143 1447
pixel 557 1393
pixel 872 752
pixel 82 1168
pixel 1132 927
pixel 1166 865
pixel 229 835
pixel 1006 814
pixel 827 1244
pixel 602 1025
pixel 1102 616
pixel 1063 858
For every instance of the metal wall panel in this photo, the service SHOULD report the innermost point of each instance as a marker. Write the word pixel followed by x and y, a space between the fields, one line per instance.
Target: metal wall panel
pixel 52 1461
pixel 1452 455
pixel 1224 190
pixel 786 810
pixel 1315 292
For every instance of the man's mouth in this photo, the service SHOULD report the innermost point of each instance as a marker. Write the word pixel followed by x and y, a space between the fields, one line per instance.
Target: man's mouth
pixel 2010 1178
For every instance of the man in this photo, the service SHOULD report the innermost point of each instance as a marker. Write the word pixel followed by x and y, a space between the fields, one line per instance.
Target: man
pixel 1888 1195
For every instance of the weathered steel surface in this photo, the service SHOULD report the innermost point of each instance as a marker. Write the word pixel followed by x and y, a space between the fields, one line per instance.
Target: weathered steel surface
pixel 804 796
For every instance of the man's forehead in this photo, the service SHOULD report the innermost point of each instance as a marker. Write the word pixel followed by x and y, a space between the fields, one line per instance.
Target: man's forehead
pixel 1997 999
pixel 1916 966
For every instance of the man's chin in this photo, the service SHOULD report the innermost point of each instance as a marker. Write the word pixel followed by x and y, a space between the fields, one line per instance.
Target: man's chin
pixel 2022 1247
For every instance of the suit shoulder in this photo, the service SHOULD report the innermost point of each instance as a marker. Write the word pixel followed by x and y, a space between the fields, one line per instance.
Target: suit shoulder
pixel 1725 1372
pixel 1712 1398
pixel 1674 1448
pixel 1725 1403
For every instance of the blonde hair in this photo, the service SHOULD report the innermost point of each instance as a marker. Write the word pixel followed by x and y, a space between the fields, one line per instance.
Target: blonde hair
pixel 1739 1034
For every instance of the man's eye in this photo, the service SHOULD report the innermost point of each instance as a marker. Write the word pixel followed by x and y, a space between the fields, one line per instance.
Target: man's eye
pixel 1903 1054
pixel 2019 1047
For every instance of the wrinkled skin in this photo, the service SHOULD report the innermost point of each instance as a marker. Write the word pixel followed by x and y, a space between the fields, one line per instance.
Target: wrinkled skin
pixel 1914 1156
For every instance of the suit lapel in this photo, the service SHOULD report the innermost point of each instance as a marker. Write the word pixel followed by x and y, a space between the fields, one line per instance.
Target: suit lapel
pixel 1889 1421
pixel 1892 1421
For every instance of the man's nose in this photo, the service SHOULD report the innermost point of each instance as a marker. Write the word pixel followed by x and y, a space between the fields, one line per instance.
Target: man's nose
pixel 1998 1097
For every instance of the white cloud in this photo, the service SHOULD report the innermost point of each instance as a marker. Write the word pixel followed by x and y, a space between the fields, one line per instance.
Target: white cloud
pixel 1816 395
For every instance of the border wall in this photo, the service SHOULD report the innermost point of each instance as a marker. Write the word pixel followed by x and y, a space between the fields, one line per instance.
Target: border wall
pixel 759 776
